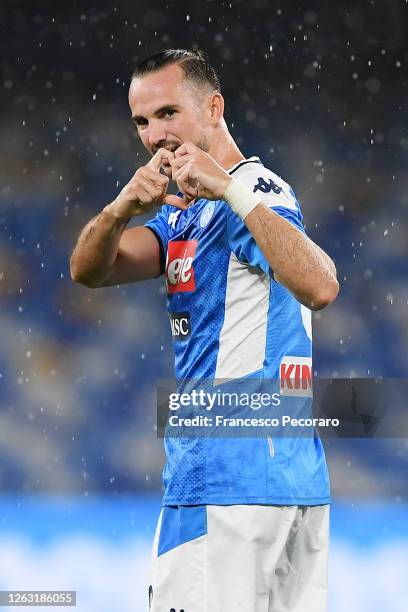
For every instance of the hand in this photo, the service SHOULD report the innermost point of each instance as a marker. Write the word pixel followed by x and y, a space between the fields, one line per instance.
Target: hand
pixel 197 174
pixel 146 189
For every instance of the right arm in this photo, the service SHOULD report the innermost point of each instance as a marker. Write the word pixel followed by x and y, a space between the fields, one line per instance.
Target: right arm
pixel 107 253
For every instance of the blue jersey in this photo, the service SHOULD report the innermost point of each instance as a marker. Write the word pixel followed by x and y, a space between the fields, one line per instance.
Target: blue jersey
pixel 231 319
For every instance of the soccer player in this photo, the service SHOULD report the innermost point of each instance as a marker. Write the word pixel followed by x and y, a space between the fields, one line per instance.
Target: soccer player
pixel 244 523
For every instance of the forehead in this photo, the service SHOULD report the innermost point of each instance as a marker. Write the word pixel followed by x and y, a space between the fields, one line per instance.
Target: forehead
pixel 156 89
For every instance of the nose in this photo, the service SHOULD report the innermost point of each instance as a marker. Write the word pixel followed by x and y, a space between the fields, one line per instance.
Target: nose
pixel 157 135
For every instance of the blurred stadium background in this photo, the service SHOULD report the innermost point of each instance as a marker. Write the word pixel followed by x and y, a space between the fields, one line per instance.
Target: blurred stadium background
pixel 319 91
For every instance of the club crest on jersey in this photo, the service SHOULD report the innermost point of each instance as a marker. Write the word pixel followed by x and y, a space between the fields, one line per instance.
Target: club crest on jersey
pixel 179 270
pixel 295 374
pixel 207 214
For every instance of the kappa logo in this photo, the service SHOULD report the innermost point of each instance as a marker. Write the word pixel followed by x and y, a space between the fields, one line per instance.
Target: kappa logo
pixel 267 187
pixel 295 375
pixel 173 218
pixel 179 270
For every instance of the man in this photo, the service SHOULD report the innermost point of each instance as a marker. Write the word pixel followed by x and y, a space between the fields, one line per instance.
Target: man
pixel 244 524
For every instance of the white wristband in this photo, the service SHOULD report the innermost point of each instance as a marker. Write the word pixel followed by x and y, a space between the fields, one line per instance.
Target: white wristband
pixel 240 198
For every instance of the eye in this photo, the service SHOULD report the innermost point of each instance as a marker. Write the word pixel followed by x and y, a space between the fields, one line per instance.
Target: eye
pixel 169 112
pixel 140 123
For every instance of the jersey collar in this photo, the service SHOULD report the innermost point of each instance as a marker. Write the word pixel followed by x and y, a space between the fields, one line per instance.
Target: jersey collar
pixel 251 160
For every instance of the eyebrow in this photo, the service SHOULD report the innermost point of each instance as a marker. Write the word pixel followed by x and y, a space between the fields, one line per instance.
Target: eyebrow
pixel 158 112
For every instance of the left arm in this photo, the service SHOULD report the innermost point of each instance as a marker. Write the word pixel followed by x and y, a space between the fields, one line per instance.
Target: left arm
pixel 297 262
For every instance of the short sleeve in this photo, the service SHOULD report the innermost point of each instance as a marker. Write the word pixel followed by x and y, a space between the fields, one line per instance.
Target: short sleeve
pixel 159 225
pixel 277 195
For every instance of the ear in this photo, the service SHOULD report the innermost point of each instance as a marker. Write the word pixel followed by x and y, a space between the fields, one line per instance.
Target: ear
pixel 216 107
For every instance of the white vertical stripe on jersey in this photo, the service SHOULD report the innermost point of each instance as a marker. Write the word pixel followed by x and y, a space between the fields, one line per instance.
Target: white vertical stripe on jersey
pixel 242 343
pixel 306 320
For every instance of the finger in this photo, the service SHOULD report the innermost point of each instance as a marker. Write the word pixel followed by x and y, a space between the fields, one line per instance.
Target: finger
pixel 158 158
pixel 189 192
pixel 186 147
pixel 147 192
pixel 179 162
pixel 186 173
pixel 154 177
pixel 186 182
pixel 175 201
